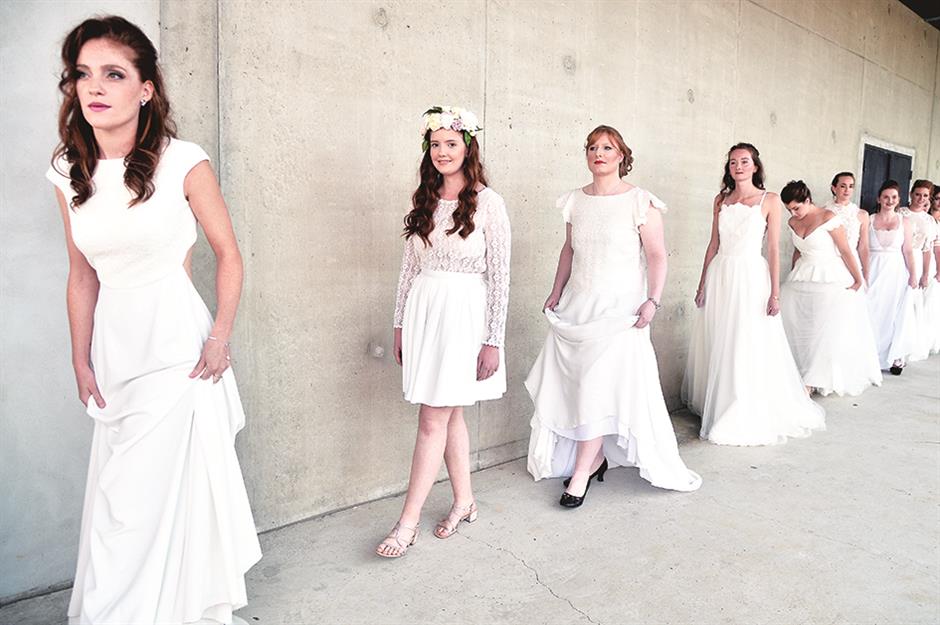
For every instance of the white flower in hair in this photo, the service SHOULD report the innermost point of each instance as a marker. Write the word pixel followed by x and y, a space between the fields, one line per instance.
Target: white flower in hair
pixel 447 120
pixel 434 122
pixel 470 122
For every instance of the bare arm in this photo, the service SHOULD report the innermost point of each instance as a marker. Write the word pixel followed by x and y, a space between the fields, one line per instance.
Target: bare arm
pixel 563 272
pixel 654 247
pixel 205 198
pixel 81 296
pixel 863 243
pixel 774 208
pixel 710 251
pixel 842 244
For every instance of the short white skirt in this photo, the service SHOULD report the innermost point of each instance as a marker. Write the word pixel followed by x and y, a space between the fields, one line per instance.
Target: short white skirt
pixel 443 331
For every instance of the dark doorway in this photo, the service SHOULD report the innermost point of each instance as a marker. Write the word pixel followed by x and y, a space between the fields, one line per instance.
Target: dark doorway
pixel 879 165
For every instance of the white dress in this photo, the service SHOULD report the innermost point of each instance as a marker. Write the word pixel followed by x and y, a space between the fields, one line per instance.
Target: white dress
pixel 167 532
pixel 826 323
pixel 848 213
pixel 932 295
pixel 890 299
pixel 741 377
pixel 922 236
pixel 597 374
pixel 452 299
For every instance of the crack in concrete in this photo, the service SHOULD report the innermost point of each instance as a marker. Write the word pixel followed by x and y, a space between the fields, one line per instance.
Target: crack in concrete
pixel 538 578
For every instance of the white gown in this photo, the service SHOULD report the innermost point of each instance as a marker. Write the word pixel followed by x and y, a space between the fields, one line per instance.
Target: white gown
pixel 167 533
pixel 890 299
pixel 848 213
pixel 741 377
pixel 597 374
pixel 453 296
pixel 826 323
pixel 922 237
pixel 932 295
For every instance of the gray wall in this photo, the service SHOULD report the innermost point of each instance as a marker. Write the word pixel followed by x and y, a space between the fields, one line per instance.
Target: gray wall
pixel 312 110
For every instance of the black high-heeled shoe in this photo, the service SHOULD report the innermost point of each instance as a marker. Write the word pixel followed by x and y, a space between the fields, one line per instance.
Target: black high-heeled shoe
pixel 571 501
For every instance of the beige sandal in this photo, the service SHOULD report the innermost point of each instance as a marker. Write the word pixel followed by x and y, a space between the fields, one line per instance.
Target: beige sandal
pixel 447 527
pixel 395 541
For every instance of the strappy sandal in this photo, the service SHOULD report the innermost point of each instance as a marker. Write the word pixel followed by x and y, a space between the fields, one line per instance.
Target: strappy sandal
pixel 394 540
pixel 447 526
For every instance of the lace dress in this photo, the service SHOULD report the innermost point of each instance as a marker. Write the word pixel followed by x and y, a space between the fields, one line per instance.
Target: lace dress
pixel 932 297
pixel 741 377
pixel 597 374
pixel 922 237
pixel 890 299
pixel 167 532
pixel 826 323
pixel 848 213
pixel 453 296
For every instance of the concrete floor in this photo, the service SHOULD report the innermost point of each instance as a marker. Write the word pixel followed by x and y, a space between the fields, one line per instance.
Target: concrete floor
pixel 843 527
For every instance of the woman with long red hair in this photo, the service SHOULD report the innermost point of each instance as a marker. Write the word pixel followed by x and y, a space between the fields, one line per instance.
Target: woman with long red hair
pixel 450 314
pixel 167 533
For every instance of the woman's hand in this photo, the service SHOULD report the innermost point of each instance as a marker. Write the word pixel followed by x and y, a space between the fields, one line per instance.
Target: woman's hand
pixel 855 286
pixel 552 301
pixel 214 361
pixel 396 348
pixel 88 386
pixel 937 277
pixel 912 281
pixel 773 305
pixel 924 280
pixel 645 314
pixel 487 362
pixel 700 297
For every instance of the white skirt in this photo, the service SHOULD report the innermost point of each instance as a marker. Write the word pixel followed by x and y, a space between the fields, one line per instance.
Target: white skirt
pixel 167 533
pixel 597 376
pixel 890 306
pixel 830 335
pixel 443 330
pixel 740 376
pixel 922 335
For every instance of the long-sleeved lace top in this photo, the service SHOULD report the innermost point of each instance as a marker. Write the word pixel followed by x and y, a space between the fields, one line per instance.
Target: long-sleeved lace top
pixel 484 251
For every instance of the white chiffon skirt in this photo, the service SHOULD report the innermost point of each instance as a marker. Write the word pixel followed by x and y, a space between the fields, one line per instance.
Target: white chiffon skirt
pixel 891 306
pixel 932 308
pixel 830 336
pixel 167 533
pixel 443 331
pixel 597 376
pixel 922 334
pixel 741 377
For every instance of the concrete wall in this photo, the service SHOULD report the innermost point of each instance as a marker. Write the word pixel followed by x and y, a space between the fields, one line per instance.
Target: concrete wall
pixel 311 109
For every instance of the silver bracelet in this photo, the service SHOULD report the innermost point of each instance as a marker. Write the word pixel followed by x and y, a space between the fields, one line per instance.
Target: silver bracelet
pixel 215 338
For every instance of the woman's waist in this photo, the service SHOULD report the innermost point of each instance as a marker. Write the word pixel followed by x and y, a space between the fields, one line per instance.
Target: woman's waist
pixel 439 274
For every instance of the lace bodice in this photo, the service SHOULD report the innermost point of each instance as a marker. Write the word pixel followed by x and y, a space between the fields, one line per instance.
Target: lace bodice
pixel 133 246
pixel 922 229
pixel 849 216
pixel 486 250
pixel 887 240
pixel 820 260
pixel 605 239
pixel 741 229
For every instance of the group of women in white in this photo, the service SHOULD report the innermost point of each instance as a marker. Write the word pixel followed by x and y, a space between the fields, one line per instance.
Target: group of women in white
pixel 167 532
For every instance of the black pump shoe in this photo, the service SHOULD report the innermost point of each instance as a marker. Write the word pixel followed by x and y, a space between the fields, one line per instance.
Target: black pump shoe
pixel 896 370
pixel 570 501
pixel 599 474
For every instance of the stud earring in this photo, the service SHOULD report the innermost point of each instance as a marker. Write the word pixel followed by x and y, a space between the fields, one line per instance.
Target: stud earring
pixel 143 103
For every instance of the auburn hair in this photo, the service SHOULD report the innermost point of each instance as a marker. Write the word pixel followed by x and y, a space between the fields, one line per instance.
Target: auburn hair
pixel 795 191
pixel 617 139
pixel 420 220
pixel 727 182
pixel 77 144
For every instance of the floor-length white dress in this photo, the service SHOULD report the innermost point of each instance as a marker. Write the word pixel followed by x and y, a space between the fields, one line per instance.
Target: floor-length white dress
pixel 827 323
pixel 167 532
pixel 848 213
pixel 922 237
pixel 890 298
pixel 597 374
pixel 740 376
pixel 932 295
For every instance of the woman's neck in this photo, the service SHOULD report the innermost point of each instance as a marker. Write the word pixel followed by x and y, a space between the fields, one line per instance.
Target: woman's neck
pixel 608 184
pixel 744 189
pixel 453 185
pixel 117 143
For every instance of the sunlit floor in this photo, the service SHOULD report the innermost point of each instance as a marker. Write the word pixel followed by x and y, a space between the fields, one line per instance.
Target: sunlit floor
pixel 842 527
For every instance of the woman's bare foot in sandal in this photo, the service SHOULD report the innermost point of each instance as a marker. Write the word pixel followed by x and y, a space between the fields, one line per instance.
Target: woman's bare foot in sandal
pixel 447 526
pixel 398 541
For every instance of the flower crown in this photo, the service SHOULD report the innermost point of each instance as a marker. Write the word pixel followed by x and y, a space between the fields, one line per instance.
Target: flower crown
pixel 450 118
